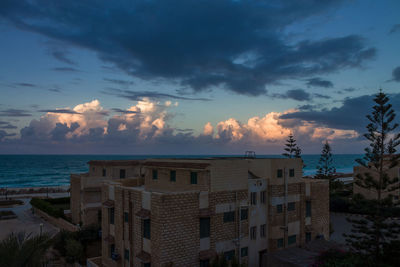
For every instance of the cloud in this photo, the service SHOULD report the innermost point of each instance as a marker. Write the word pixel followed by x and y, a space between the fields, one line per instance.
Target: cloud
pixel 396 74
pixel 61 54
pixel 321 96
pixel 4 134
pixel 61 111
pixel 138 95
pixel 65 69
pixel 26 84
pixel 208 129
pixel 318 82
pixel 124 111
pixel 349 116
pixel 119 82
pixel 295 94
pixel 395 28
pixel 202 45
pixel 14 113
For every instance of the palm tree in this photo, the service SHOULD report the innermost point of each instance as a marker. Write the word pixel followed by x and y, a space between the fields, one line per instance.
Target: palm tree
pixel 21 249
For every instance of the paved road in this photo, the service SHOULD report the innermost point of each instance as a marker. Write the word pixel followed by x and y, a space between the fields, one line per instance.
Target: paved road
pixel 26 221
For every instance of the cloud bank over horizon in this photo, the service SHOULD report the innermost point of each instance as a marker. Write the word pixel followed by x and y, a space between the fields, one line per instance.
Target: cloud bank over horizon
pixel 146 128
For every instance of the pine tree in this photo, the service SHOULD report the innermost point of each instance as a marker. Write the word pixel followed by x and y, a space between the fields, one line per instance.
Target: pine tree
pixel 372 234
pixel 325 170
pixel 292 150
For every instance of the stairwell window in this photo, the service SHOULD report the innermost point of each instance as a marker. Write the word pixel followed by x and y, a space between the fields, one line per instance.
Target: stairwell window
pixel 291 173
pixel 263 229
pixel 193 177
pixel 204 227
pixel 291 206
pixel 126 217
pixel 111 213
pixel 104 172
pixel 279 243
pixel 146 228
pixel 308 208
pixel 253 233
pixel 122 173
pixel 244 214
pixel 279 173
pixel 244 252
pixel 308 237
pixel 253 198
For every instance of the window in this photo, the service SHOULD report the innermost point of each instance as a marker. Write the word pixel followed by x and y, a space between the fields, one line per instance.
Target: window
pixel 244 214
pixel 204 263
pixel 193 177
pixel 279 173
pixel 111 215
pixel 126 255
pixel 122 173
pixel 172 176
pixel 308 208
pixel 262 196
pixel 291 173
pixel 244 252
pixel 155 174
pixel 112 250
pixel 204 227
pixel 279 208
pixel 93 169
pixel 263 230
pixel 279 243
pixel 229 216
pixel 146 264
pixel 99 216
pixel 253 198
pixel 104 172
pixel 291 240
pixel 291 206
pixel 308 237
pixel 229 255
pixel 146 228
pixel 253 233
pixel 126 217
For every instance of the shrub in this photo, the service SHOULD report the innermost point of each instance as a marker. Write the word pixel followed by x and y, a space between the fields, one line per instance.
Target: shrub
pixel 73 250
pixel 47 207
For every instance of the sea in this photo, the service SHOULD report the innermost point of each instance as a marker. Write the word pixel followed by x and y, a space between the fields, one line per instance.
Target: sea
pixel 55 170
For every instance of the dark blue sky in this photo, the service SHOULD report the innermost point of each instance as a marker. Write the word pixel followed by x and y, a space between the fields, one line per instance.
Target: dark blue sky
pixel 201 76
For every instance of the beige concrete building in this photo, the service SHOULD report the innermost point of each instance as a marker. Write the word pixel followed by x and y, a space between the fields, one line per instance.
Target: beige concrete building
pixel 183 212
pixel 372 193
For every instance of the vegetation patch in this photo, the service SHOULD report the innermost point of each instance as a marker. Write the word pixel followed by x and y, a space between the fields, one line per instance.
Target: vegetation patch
pixel 7 214
pixel 10 202
pixel 54 207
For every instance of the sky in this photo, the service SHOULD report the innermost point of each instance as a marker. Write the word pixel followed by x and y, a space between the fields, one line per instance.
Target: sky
pixel 194 76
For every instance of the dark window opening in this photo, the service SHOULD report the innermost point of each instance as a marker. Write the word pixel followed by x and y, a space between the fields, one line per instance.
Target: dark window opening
pixel 112 250
pixel 279 208
pixel 172 176
pixel 244 252
pixel 193 177
pixel 155 174
pixel 253 198
pixel 104 172
pixel 204 227
pixel 308 237
pixel 111 215
pixel 126 216
pixel 291 173
pixel 279 173
pixel 263 196
pixel 229 216
pixel 291 206
pixel 229 255
pixel 204 263
pixel 291 239
pixel 244 214
pixel 279 243
pixel 122 173
pixel 253 233
pixel 263 230
pixel 99 216
pixel 308 208
pixel 146 228
pixel 126 254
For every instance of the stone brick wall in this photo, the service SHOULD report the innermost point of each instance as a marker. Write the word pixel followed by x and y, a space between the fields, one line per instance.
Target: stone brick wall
pixel 320 208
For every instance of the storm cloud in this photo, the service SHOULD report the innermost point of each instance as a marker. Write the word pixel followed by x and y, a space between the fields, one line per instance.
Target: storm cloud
pixel 318 82
pixel 202 45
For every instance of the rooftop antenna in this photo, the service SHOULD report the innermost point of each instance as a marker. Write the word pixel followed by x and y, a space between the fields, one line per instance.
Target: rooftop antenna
pixel 250 154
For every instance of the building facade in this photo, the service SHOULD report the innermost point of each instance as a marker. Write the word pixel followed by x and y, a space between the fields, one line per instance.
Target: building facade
pixel 184 212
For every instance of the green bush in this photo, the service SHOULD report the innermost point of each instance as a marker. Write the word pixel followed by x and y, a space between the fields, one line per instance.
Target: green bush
pixel 61 200
pixel 73 250
pixel 47 207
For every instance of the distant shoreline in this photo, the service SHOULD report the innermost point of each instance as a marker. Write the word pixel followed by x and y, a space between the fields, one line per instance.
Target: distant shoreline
pixel 34 190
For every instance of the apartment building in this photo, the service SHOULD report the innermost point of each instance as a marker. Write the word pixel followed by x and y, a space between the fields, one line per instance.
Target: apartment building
pixel 86 187
pixel 183 212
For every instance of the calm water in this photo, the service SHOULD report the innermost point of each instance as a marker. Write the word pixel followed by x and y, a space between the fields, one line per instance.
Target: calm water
pixel 54 170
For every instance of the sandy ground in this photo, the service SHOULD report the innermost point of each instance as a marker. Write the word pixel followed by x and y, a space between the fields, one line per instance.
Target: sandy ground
pixel 26 221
